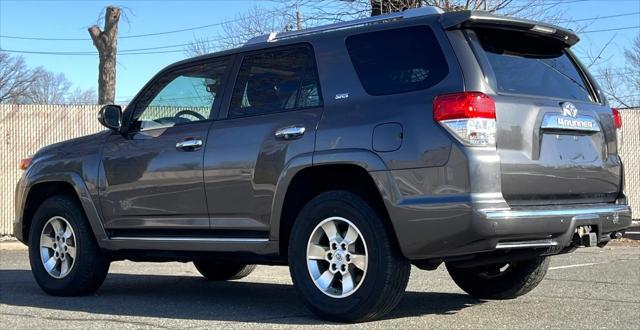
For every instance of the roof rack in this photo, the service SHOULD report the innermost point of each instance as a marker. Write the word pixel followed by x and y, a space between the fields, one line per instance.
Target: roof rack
pixel 414 12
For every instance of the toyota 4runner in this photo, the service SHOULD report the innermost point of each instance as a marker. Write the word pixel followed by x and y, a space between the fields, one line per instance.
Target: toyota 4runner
pixel 348 152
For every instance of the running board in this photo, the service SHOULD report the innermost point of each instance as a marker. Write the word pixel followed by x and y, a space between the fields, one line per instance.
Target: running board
pixel 252 245
pixel 191 239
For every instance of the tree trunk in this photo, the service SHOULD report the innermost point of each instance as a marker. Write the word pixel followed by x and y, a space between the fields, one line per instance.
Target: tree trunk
pixel 106 43
pixel 379 7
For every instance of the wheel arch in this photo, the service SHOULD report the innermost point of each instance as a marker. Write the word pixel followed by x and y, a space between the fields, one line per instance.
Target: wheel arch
pixel 69 184
pixel 328 171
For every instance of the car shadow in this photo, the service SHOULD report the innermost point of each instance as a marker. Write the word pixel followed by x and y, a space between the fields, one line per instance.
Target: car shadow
pixel 190 297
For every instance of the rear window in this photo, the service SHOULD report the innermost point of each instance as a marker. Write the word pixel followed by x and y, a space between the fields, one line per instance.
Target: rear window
pixel 397 61
pixel 526 64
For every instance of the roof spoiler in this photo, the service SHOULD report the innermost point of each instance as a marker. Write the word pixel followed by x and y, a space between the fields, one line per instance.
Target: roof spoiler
pixel 475 19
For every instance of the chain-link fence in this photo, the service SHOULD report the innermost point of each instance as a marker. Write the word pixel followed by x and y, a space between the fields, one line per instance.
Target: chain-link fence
pixel 26 128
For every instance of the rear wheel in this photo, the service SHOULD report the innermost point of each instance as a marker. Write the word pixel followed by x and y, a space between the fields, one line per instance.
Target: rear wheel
pixel 500 281
pixel 65 258
pixel 222 271
pixel 343 260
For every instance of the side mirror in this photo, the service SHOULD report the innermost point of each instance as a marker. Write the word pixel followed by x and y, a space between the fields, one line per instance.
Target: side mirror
pixel 110 116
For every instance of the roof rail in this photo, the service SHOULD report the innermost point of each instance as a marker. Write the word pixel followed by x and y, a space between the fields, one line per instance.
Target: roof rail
pixel 414 12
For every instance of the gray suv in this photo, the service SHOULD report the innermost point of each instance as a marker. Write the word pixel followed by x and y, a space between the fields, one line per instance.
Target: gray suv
pixel 348 152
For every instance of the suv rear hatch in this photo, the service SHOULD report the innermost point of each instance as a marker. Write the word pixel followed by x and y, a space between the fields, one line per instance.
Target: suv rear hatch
pixel 556 138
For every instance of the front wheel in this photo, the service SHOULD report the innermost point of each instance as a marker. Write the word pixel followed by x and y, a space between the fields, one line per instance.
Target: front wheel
pixel 500 281
pixel 65 258
pixel 343 259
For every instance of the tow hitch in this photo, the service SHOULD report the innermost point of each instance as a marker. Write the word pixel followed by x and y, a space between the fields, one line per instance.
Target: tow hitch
pixel 584 236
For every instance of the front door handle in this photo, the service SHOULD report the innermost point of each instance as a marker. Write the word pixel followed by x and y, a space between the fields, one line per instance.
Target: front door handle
pixel 189 145
pixel 288 133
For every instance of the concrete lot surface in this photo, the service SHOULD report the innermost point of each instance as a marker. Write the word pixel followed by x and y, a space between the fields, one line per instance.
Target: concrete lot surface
pixel 591 288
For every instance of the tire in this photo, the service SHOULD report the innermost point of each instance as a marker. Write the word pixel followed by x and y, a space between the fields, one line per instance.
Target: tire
pixel 373 292
pixel 222 271
pixel 488 282
pixel 85 273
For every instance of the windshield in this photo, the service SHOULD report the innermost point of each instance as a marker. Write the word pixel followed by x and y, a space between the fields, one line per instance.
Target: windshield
pixel 531 65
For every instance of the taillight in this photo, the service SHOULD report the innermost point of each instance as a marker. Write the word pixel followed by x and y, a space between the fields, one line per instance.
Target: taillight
pixel 25 163
pixel 617 119
pixel 470 116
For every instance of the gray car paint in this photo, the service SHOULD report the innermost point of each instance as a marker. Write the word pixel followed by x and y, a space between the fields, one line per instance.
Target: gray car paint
pixel 436 191
pixel 147 182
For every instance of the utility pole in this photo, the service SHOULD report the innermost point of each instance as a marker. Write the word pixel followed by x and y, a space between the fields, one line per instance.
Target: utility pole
pixel 106 42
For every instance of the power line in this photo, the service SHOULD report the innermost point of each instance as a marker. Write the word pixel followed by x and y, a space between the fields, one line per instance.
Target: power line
pixel 138 35
pixel 136 51
pixel 235 20
pixel 612 29
pixel 597 17
pixel 84 53
pixel 145 51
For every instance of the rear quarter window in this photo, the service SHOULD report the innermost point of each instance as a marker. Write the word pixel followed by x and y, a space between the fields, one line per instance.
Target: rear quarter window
pixel 398 60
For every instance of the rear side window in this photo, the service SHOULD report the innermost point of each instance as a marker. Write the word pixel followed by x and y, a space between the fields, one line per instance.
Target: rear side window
pixel 397 61
pixel 274 81
pixel 527 64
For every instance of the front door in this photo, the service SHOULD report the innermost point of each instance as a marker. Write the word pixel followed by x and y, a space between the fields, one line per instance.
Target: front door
pixel 151 178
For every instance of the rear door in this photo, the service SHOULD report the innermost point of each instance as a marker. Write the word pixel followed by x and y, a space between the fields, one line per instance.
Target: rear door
pixel 270 119
pixel 556 140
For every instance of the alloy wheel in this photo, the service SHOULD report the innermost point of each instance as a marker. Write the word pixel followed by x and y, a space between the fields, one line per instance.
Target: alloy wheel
pixel 58 247
pixel 337 257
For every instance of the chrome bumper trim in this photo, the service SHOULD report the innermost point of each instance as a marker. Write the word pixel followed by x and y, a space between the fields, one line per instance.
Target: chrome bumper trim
pixel 568 212
pixel 526 244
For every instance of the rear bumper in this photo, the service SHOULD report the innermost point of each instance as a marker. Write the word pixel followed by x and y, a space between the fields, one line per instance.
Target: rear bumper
pixel 559 222
pixel 487 230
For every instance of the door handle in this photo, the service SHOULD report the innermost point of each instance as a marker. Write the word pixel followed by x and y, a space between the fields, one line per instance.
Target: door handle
pixel 189 145
pixel 288 133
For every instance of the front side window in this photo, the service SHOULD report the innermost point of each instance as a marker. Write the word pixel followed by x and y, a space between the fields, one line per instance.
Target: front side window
pixel 183 96
pixel 274 81
pixel 397 61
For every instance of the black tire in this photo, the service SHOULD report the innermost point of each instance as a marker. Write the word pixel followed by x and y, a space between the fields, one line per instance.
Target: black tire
pixel 387 271
pixel 222 271
pixel 90 267
pixel 488 282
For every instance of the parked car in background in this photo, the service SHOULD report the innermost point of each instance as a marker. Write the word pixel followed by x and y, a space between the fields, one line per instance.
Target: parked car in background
pixel 348 152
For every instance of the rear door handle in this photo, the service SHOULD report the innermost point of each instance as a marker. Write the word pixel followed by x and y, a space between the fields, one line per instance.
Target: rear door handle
pixel 289 133
pixel 189 145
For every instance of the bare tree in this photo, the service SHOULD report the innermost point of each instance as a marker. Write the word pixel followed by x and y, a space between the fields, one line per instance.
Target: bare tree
pixel 20 84
pixel 632 56
pixel 80 96
pixel 622 85
pixel 15 78
pixel 200 46
pixel 106 43
pixel 47 88
pixel 256 21
pixel 305 13
pixel 338 10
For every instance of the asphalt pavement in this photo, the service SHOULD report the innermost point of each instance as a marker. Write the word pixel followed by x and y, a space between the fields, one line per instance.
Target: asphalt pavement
pixel 591 288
